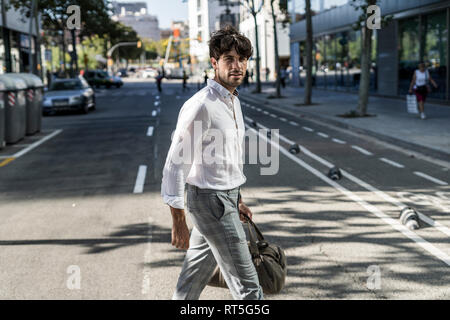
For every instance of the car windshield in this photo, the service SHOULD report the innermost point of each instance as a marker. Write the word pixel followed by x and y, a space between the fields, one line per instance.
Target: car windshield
pixel 66 85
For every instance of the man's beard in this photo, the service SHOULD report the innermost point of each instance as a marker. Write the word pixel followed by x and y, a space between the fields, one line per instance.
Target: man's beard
pixel 229 83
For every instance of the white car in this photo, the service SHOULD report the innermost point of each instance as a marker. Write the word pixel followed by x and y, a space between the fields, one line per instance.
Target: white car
pixel 149 73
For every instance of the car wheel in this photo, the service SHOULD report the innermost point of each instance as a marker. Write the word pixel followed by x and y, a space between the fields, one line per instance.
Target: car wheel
pixel 93 104
pixel 118 85
pixel 85 108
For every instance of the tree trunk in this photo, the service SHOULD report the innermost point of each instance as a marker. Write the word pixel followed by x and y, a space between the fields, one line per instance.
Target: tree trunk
pixel 258 75
pixel 277 58
pixel 366 61
pixel 74 52
pixel 309 57
pixel 5 34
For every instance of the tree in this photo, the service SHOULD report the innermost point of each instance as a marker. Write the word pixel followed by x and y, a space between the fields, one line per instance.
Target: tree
pixel 364 6
pixel 250 4
pixel 94 17
pixel 283 12
pixel 309 53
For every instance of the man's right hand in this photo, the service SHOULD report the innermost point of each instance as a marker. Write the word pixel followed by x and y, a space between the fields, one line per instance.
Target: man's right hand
pixel 180 231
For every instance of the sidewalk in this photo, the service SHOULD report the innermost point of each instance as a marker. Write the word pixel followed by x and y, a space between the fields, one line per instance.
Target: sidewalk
pixel 391 122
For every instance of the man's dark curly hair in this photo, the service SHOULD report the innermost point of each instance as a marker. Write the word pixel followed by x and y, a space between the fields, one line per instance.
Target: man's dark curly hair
pixel 226 39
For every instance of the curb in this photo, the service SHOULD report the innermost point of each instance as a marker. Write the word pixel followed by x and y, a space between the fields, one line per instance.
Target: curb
pixel 441 155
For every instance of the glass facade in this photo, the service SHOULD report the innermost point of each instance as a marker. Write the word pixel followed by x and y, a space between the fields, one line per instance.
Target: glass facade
pixel 337 61
pixel 424 38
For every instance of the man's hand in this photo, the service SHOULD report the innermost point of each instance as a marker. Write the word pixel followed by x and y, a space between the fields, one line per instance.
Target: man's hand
pixel 180 231
pixel 244 210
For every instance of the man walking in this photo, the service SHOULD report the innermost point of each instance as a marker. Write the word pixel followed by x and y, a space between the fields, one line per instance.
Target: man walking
pixel 213 187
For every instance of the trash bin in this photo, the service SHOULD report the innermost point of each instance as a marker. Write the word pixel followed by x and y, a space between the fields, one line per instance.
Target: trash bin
pixel 33 101
pixel 15 107
pixel 2 116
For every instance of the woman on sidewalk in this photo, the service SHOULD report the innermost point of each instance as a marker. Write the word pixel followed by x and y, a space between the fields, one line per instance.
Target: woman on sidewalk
pixel 421 88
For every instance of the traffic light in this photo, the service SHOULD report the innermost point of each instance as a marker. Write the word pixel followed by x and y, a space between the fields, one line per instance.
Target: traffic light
pixel 139 44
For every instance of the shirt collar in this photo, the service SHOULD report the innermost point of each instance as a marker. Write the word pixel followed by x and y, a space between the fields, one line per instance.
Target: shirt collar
pixel 221 89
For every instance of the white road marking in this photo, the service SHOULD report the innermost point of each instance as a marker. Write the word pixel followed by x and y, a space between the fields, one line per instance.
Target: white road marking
pixel 150 131
pixel 338 141
pixel 392 163
pixel 425 176
pixel 37 143
pixel 265 112
pixel 323 135
pixel 283 119
pixel 147 259
pixel 308 129
pixel 440 227
pixel 363 151
pixel 273 115
pixel 258 109
pixel 380 214
pixel 140 179
pixel 154 113
pixel 295 124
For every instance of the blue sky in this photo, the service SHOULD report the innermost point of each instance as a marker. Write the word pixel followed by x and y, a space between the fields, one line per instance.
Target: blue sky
pixel 165 10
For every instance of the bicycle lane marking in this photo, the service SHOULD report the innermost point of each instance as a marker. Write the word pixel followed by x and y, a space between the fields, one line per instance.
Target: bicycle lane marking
pixel 380 214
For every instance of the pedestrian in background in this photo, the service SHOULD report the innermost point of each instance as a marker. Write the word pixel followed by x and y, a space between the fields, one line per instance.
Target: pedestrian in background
pixel 213 196
pixel 283 75
pixel 159 78
pixel 246 79
pixel 205 76
pixel 185 77
pixel 421 87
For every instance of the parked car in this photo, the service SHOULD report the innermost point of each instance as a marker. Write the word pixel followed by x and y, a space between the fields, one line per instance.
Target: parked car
pixel 148 73
pixel 117 81
pixel 122 73
pixel 99 78
pixel 69 94
pixel 176 73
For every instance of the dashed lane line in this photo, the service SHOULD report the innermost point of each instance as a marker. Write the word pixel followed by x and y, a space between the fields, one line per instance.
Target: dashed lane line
pixel 430 178
pixel 363 151
pixel 140 179
pixel 380 214
pixel 392 163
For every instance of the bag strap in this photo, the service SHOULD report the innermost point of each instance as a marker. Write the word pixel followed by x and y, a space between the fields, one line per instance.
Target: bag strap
pixel 254 250
pixel 250 222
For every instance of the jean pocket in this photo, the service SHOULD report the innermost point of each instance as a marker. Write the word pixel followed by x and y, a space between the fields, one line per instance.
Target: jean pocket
pixel 217 205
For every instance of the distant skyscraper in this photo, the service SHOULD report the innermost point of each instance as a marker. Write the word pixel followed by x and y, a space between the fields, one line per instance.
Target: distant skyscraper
pixel 204 18
pixel 135 15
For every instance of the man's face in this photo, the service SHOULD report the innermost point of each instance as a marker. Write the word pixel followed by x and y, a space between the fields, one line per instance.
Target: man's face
pixel 230 69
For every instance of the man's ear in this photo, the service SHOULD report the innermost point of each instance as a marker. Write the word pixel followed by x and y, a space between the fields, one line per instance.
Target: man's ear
pixel 214 63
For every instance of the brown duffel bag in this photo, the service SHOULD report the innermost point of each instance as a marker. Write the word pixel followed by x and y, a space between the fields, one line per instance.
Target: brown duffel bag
pixel 269 261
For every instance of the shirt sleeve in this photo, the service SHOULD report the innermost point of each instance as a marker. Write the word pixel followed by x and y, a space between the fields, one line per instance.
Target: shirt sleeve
pixel 182 150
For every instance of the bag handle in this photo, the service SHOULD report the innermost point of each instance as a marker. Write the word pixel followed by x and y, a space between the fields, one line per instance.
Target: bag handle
pixel 250 222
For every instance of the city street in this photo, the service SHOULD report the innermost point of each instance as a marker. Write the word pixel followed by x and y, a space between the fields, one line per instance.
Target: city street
pixel 82 216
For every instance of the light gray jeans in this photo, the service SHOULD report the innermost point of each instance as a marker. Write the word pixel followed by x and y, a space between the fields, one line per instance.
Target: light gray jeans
pixel 218 237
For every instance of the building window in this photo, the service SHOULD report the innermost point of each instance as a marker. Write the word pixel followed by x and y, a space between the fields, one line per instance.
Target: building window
pixel 199 21
pixel 199 4
pixel 434 44
pixel 409 51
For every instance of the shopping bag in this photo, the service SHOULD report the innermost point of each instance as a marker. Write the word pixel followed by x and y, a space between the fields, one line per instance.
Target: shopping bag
pixel 411 103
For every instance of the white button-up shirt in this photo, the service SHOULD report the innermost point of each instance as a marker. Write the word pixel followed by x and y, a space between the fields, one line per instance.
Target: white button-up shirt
pixel 212 159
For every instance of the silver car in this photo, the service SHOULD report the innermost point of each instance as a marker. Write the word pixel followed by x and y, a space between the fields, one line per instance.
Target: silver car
pixel 69 94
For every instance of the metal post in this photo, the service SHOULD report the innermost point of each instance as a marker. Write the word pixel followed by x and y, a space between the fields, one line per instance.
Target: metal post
pixel 30 37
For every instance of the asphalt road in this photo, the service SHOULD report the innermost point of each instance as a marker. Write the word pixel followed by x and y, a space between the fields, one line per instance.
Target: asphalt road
pixel 82 217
